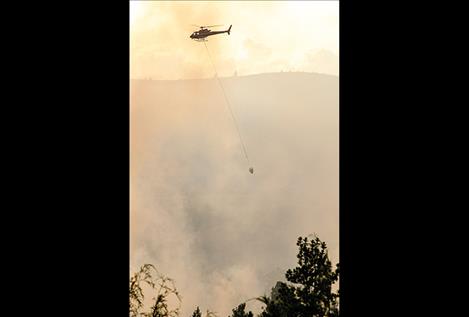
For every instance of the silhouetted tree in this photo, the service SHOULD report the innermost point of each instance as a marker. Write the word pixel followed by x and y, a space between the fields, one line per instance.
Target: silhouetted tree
pixel 162 285
pixel 282 302
pixel 309 292
pixel 197 313
pixel 240 311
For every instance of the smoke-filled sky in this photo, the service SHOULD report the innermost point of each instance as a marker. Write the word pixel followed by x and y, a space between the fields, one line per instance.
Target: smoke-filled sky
pixel 267 36
pixel 197 213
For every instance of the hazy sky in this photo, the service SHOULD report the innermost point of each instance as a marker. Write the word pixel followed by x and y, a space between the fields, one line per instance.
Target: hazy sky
pixel 267 36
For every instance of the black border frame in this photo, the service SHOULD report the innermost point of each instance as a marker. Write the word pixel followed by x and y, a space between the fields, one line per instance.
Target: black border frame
pixel 76 150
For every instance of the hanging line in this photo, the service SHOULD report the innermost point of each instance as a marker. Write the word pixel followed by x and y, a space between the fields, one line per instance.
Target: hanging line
pixel 229 105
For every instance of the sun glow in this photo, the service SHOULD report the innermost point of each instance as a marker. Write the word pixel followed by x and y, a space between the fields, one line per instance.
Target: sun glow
pixel 241 54
pixel 135 10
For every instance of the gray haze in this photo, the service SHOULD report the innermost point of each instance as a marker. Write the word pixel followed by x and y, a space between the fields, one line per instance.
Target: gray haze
pixel 198 215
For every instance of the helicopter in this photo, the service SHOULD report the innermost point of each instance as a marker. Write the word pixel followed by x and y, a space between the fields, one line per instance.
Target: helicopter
pixel 201 34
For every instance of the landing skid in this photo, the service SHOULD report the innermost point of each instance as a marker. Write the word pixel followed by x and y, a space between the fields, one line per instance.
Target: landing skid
pixel 200 40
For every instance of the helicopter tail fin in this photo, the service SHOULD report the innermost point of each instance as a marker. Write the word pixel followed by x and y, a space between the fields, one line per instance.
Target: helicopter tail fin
pixel 229 29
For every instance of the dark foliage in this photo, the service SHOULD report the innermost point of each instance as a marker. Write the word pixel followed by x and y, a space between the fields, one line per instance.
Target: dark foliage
pixel 309 291
pixel 240 311
pixel 197 313
pixel 163 288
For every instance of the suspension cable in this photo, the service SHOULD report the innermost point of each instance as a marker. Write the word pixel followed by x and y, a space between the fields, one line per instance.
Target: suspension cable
pixel 228 103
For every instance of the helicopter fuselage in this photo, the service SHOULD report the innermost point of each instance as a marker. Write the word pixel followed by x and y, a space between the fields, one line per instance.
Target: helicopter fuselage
pixel 203 33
